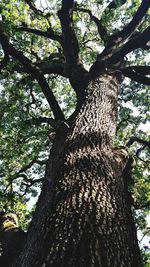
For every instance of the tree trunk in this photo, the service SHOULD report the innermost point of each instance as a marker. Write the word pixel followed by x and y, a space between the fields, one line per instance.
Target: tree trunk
pixel 83 216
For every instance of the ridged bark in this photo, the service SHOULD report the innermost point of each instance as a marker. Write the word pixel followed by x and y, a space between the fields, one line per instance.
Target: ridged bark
pixel 83 217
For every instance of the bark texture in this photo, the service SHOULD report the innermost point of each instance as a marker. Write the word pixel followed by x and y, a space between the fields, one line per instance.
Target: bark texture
pixel 83 217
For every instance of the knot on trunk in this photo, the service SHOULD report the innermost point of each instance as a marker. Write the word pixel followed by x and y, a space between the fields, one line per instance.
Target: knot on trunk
pixel 124 163
pixel 121 157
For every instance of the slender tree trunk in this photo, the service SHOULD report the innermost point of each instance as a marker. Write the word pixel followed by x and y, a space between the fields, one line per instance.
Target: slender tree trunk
pixel 83 217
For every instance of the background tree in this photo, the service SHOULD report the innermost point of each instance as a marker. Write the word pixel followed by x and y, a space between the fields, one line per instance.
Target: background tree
pixel 62 73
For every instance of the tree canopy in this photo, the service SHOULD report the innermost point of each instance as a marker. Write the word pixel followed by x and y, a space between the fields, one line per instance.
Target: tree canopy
pixel 35 91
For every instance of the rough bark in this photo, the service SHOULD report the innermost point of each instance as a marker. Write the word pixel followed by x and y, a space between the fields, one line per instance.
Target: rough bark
pixel 83 216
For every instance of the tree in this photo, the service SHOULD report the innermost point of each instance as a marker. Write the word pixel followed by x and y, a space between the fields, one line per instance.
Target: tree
pixel 84 215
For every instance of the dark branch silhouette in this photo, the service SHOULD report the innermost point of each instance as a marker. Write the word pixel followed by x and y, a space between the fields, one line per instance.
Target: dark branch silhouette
pixel 129 30
pixel 137 73
pixel 50 34
pixel 143 70
pixel 101 29
pixel 70 42
pixel 36 10
pixel 138 42
pixel 4 62
pixel 52 67
pixel 138 140
pixel 40 120
pixel 115 4
pixel 99 22
pixel 35 72
pixel 28 166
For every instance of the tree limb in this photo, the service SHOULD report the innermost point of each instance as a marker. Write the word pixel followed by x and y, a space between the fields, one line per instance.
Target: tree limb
pixel 35 72
pixel 40 120
pixel 114 4
pixel 121 44
pixel 142 206
pixel 124 120
pixel 48 34
pixel 146 162
pixel 137 74
pixel 137 42
pixel 128 30
pixel 4 62
pixel 28 166
pixel 139 140
pixel 101 29
pixel 99 22
pixel 70 42
pixel 34 9
pixel 143 70
pixel 140 150
pixel 31 182
pixel 54 67
pixel 134 43
pixel 28 182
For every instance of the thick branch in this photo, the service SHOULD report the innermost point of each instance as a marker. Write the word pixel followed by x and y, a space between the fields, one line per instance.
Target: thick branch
pixel 35 72
pixel 70 42
pixel 135 43
pixel 4 62
pixel 137 77
pixel 139 140
pixel 117 48
pixel 134 24
pixel 54 67
pixel 137 73
pixel 143 70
